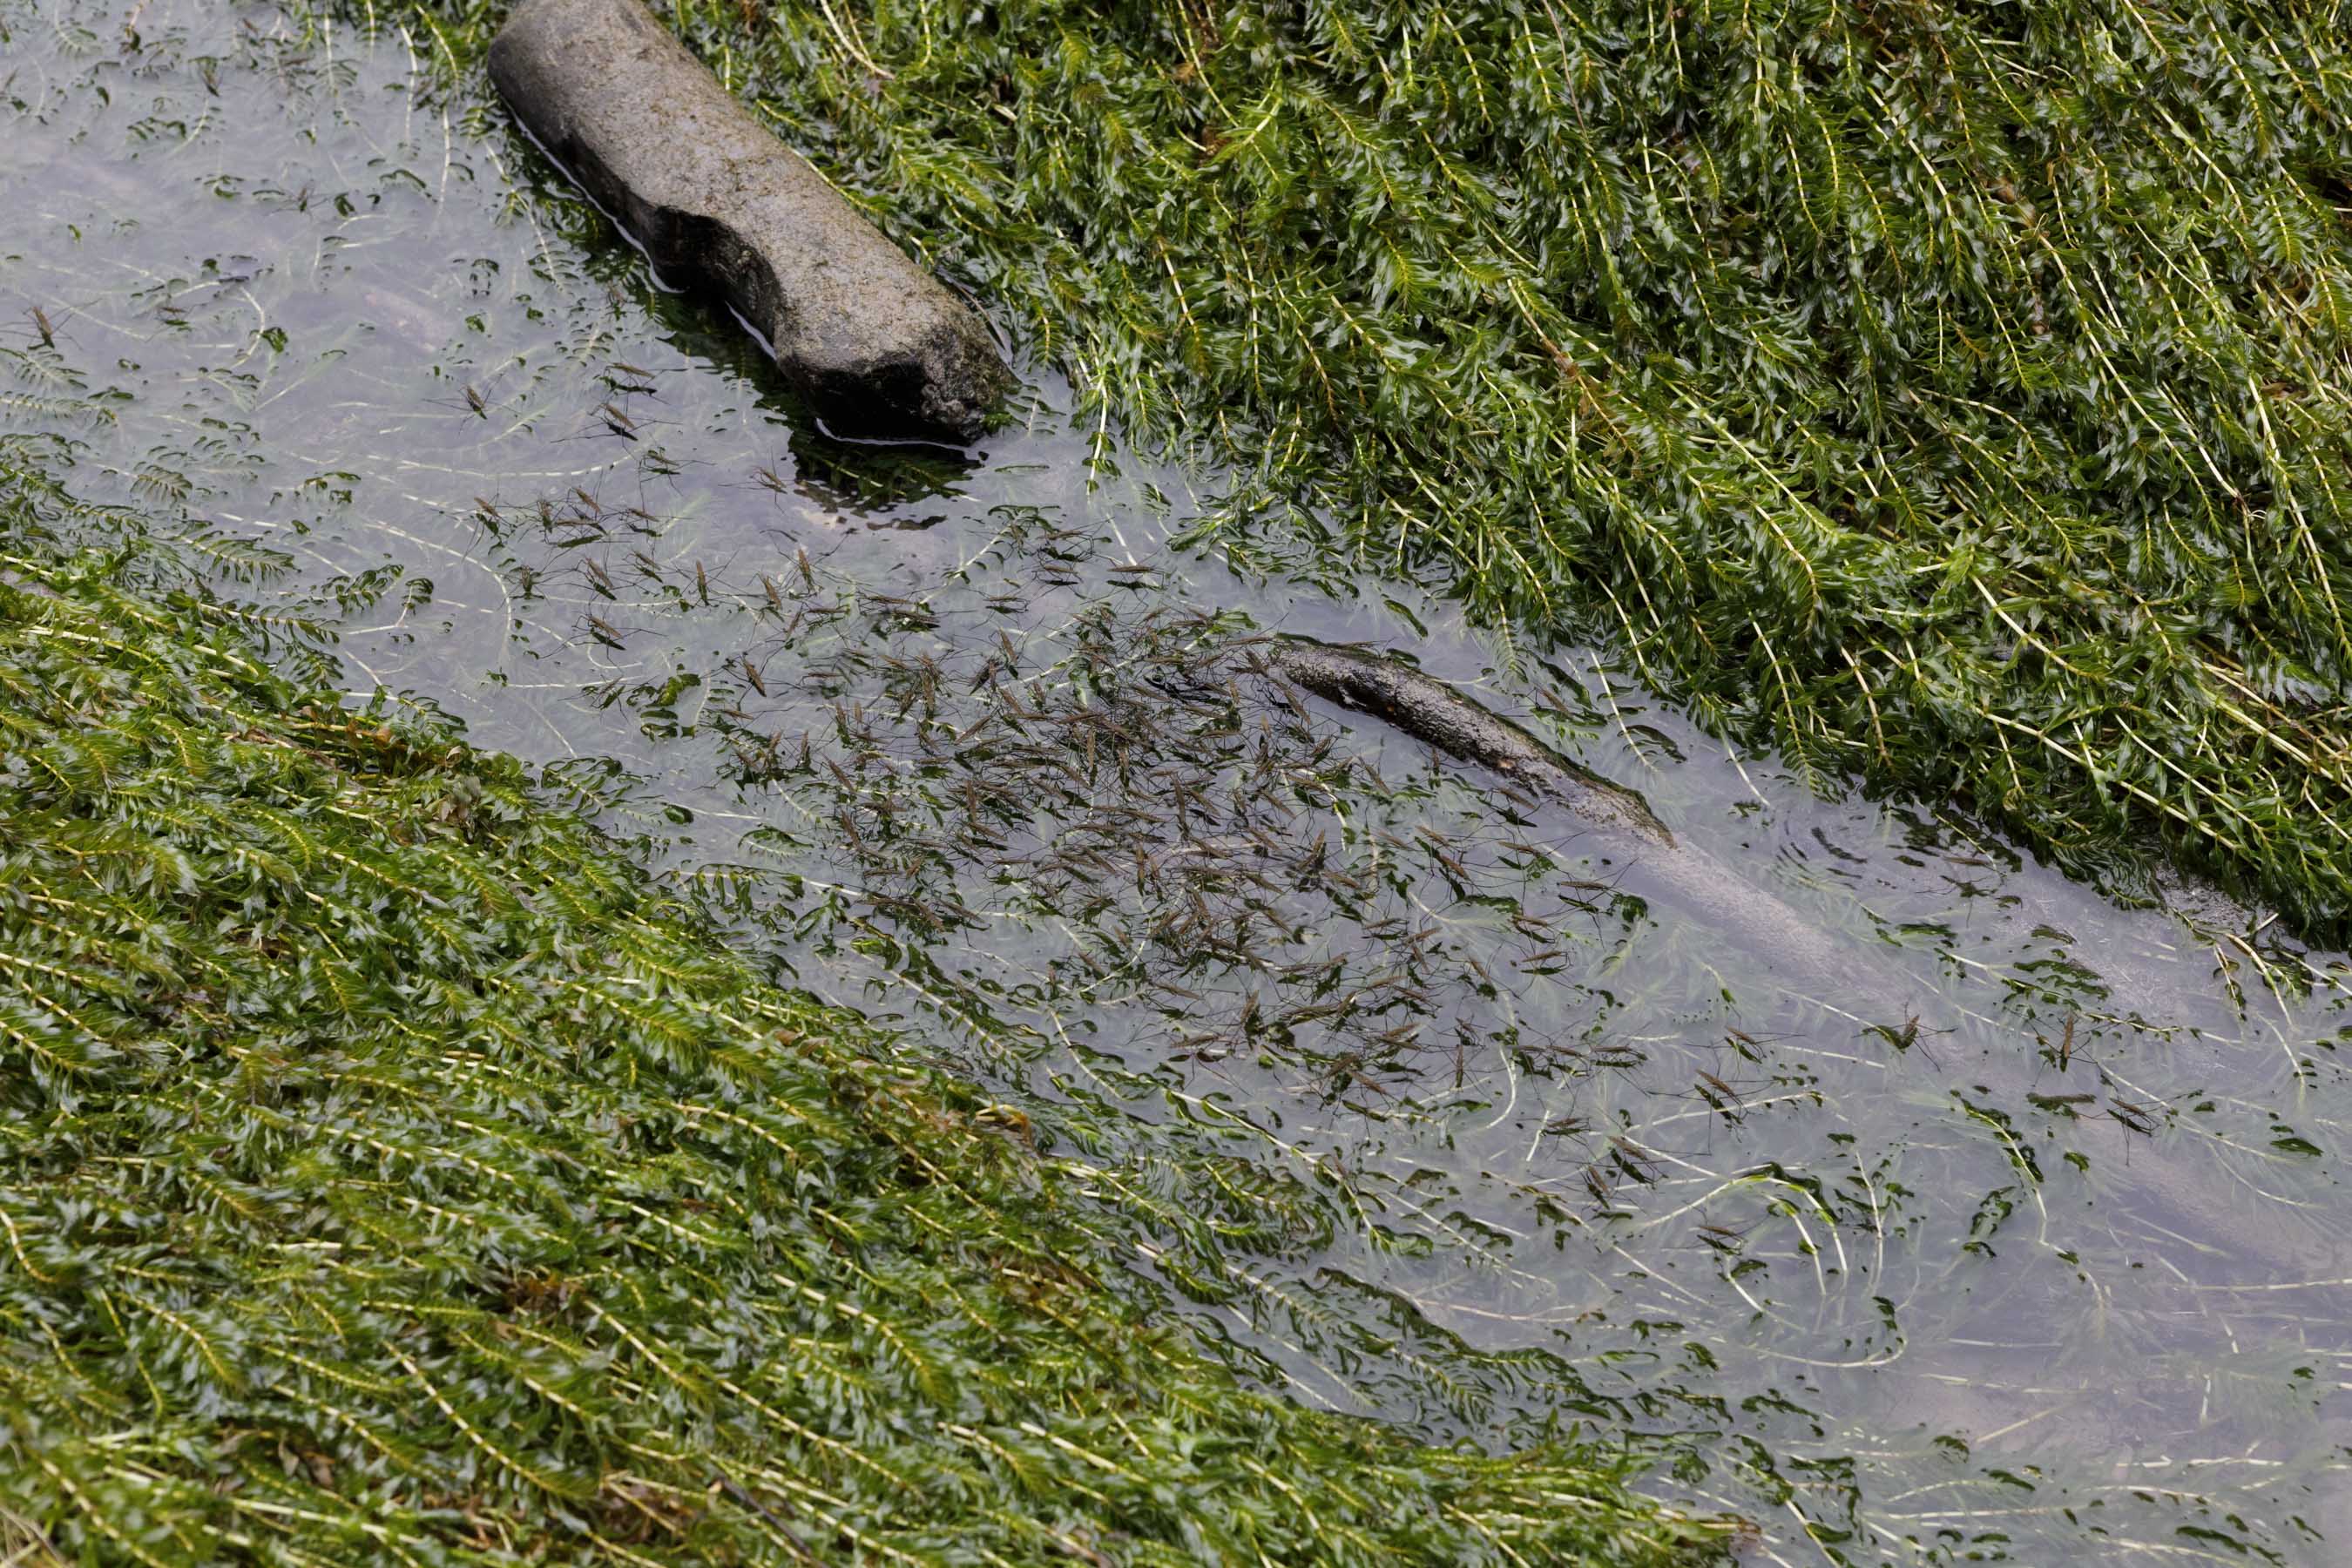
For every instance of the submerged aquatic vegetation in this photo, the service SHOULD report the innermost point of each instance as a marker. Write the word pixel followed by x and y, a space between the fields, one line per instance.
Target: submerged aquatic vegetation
pixel 1509 1141
pixel 390 1172
pixel 1950 396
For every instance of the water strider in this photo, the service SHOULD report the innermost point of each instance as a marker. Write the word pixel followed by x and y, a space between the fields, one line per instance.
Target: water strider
pixel 1965 1243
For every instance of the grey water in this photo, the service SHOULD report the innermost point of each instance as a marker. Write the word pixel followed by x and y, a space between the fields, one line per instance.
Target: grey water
pixel 2033 1249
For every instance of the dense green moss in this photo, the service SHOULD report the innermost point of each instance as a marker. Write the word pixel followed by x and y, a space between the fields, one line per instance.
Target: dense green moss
pixel 389 1175
pixel 1952 393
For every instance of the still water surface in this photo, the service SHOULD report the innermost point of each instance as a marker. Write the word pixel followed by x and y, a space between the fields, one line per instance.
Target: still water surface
pixel 2020 1237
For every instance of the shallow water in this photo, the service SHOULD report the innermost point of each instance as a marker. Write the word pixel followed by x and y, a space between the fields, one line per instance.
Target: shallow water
pixel 2021 1235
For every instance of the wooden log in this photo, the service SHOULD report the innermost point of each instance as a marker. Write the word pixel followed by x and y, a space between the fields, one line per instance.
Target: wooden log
pixel 878 345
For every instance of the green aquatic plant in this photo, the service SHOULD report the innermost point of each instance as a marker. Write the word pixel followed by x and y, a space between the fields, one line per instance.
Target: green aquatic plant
pixel 1951 395
pixel 392 1173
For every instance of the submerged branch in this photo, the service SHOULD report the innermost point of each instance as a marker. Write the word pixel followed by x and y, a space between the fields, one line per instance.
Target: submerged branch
pixel 1697 884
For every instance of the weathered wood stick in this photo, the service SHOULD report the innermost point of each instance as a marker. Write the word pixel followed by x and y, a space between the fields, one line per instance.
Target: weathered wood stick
pixel 1427 709
pixel 878 344
pixel 1430 709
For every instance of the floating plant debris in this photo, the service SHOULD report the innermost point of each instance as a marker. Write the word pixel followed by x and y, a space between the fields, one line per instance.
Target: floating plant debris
pixel 2014 1231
